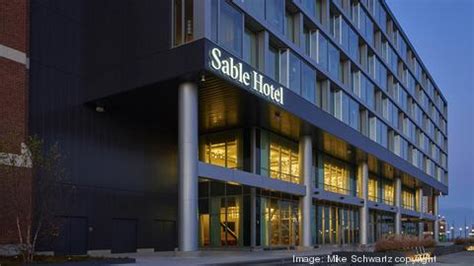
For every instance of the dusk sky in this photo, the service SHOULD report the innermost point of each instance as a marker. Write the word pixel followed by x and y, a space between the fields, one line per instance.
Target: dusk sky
pixel 442 32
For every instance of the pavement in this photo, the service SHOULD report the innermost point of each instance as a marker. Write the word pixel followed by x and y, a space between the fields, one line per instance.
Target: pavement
pixel 459 258
pixel 219 257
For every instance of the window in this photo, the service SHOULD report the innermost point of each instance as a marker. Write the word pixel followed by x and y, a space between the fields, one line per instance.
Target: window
pixel 336 176
pixel 353 114
pixel 275 14
pixel 353 45
pixel 401 147
pixel 334 60
pixel 254 7
pixel 378 131
pixel 182 21
pixel 250 48
pixel 408 199
pixel 373 189
pixel 230 28
pixel 388 193
pixel 344 34
pixel 310 7
pixel 294 73
pixel 221 149
pixel 322 51
pixel 309 83
pixel 284 164
pixel 291 31
pixel 307 40
pixel 274 63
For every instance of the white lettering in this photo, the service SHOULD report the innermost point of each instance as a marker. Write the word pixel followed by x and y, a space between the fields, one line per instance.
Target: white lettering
pixel 235 70
pixel 216 55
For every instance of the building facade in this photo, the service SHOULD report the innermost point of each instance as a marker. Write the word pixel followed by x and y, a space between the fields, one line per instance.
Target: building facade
pixel 207 124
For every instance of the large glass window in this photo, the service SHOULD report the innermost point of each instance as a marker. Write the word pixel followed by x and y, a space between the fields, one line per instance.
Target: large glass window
pixel 294 73
pixel 275 12
pixel 222 149
pixel 182 21
pixel 373 189
pixel 230 28
pixel 221 211
pixel 378 131
pixel 336 176
pixel 274 63
pixel 254 7
pixel 334 60
pixel 322 51
pixel 278 221
pixel 353 45
pixel 408 199
pixel 388 193
pixel 279 158
pixel 309 83
pixel 291 31
pixel 336 225
pixel 250 47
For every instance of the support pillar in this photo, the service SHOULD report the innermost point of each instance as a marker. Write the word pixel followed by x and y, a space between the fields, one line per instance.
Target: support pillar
pixel 306 148
pixel 436 222
pixel 398 204
pixel 188 161
pixel 364 210
pixel 253 192
pixel 421 224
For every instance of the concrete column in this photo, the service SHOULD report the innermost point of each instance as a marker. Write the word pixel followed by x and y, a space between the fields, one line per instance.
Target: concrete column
pixel 188 172
pixel 398 204
pixel 420 204
pixel 253 192
pixel 436 222
pixel 364 210
pixel 306 150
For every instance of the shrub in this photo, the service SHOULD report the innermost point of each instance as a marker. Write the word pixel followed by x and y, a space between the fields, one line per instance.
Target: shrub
pixel 402 242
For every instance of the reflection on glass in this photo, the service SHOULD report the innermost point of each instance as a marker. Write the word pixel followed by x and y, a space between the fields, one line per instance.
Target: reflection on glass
pixel 279 225
pixel 221 149
pixel 284 163
pixel 336 176
pixel 336 225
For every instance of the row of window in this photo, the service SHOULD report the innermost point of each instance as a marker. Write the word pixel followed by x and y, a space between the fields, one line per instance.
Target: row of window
pixel 288 68
pixel 388 27
pixel 279 159
pixel 376 69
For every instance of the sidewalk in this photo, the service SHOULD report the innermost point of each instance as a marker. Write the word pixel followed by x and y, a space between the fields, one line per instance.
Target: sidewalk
pixel 215 257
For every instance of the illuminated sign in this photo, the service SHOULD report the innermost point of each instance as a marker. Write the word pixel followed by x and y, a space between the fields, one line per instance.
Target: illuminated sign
pixel 238 72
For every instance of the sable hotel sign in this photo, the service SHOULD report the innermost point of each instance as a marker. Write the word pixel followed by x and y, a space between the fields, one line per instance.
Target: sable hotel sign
pixel 224 64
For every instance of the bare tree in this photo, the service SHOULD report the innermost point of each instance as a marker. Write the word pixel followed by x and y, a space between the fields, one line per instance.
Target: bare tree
pixel 33 182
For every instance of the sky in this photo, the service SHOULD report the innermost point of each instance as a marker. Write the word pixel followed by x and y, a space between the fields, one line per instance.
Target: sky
pixel 442 32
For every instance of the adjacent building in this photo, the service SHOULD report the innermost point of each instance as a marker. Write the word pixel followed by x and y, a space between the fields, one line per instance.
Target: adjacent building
pixel 265 124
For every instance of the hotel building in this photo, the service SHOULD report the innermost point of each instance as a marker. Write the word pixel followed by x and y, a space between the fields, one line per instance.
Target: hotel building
pixel 217 124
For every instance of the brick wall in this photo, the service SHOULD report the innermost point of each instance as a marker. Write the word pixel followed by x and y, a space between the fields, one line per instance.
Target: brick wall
pixel 13 116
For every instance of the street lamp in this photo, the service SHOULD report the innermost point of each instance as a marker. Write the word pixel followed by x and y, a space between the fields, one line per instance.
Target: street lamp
pixel 460 230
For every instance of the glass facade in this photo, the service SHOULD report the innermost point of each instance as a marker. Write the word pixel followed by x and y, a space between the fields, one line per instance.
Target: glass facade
pixel 222 149
pixel 230 28
pixel 279 158
pixel 221 212
pixel 360 69
pixel 336 225
pixel 392 68
pixel 408 199
pixel 335 176
pixel 381 224
pixel 279 224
